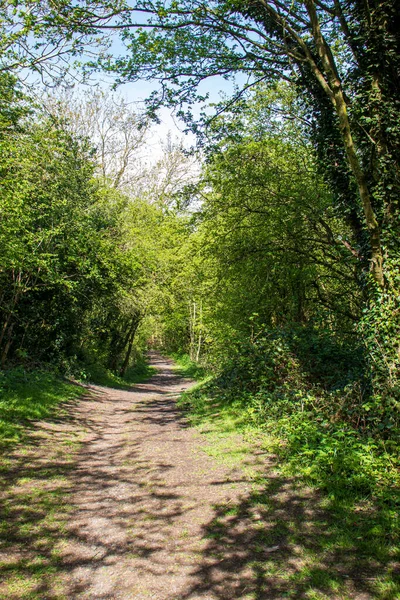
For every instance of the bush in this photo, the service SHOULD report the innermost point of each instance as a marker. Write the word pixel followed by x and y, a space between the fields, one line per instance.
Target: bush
pixel 322 427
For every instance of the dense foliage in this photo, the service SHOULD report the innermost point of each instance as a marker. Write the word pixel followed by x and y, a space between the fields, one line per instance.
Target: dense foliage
pixel 282 309
pixel 80 265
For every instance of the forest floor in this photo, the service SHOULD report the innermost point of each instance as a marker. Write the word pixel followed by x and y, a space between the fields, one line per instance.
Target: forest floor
pixel 119 498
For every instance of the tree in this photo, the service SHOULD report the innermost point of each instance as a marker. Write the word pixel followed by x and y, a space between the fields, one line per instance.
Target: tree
pixel 344 55
pixel 272 246
pixel 43 38
pixel 343 58
pixel 117 132
pixel 165 181
pixel 65 251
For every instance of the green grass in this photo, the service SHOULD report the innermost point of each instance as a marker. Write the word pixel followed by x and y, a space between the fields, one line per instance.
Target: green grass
pixel 35 504
pixel 36 459
pixel 336 534
pixel 36 462
pixel 96 373
pixel 28 396
pixel 188 368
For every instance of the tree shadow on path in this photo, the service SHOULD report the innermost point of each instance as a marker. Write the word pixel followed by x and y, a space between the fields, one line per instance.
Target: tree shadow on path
pixel 278 541
pixel 116 499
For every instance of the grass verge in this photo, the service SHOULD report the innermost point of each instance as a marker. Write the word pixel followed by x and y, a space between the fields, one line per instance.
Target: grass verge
pixel 188 368
pixel 39 444
pixel 28 396
pixel 326 503
pixel 96 373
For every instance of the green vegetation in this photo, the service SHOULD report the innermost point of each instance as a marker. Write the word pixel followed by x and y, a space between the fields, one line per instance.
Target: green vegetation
pixel 189 368
pixel 35 481
pixel 83 262
pixel 98 374
pixel 301 425
pixel 348 537
pixel 35 463
pixel 26 397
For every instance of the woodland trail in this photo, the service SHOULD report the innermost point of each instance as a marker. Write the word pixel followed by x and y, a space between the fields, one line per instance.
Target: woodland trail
pixel 143 493
pixel 138 509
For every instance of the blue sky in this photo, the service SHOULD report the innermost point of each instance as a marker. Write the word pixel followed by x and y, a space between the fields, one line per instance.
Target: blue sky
pixel 136 93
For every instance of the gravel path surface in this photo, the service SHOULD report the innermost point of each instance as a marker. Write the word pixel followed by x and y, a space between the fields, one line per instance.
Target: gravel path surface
pixel 144 494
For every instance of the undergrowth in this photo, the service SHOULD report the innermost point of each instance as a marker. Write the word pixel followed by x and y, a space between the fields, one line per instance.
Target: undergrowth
pixel 94 372
pixel 316 432
pixel 189 368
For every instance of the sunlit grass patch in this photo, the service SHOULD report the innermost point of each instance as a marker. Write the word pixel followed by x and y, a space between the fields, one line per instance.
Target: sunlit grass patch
pixel 312 533
pixel 28 396
pixel 34 529
pixel 95 372
pixel 39 450
pixel 188 368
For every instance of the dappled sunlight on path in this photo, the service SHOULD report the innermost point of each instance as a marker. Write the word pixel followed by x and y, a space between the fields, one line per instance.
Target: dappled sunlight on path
pixel 143 491
pixel 120 499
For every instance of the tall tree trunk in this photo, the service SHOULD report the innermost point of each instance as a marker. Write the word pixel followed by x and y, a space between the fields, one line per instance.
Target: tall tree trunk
pixel 339 102
pixel 125 364
pixel 200 331
pixel 192 326
pixel 7 346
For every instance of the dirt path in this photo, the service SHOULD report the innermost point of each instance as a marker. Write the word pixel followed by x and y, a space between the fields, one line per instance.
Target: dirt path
pixel 144 493
pixel 120 499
